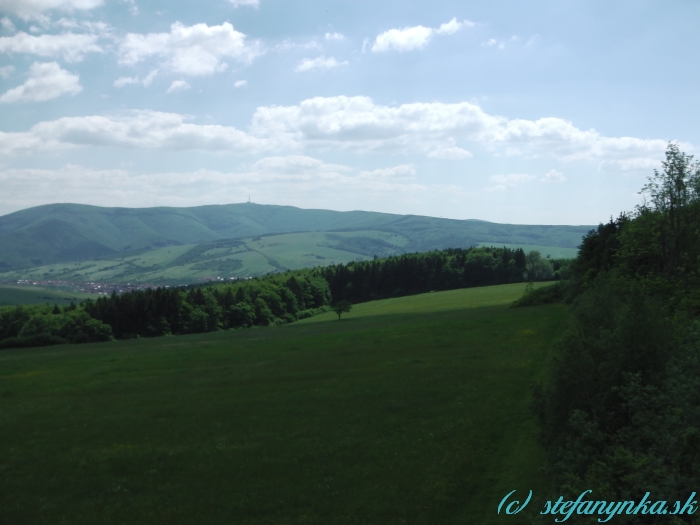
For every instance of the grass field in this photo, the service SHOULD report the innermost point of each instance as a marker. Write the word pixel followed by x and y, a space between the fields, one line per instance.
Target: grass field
pixel 236 258
pixel 407 411
pixel 555 252
pixel 14 295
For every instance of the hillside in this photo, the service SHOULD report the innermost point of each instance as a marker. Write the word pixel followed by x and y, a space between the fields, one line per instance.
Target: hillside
pixel 70 233
pixel 408 410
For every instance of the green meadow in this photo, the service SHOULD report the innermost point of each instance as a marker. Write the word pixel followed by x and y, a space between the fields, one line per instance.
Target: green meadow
pixel 233 258
pixel 554 252
pixel 23 294
pixel 406 411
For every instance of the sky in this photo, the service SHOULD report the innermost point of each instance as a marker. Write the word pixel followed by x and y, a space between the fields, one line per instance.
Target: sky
pixel 538 112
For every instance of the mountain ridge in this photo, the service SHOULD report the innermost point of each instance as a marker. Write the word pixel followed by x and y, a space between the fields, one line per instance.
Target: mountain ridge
pixel 54 233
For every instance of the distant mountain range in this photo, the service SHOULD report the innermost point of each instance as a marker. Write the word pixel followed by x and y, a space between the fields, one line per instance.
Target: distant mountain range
pixel 70 233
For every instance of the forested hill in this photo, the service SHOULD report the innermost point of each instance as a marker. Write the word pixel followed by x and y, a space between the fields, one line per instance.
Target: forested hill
pixel 75 232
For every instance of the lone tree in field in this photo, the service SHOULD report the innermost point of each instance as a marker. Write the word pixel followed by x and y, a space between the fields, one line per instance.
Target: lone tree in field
pixel 342 306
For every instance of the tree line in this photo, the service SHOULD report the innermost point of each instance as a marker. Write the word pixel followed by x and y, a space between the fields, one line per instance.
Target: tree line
pixel 620 411
pixel 409 274
pixel 273 299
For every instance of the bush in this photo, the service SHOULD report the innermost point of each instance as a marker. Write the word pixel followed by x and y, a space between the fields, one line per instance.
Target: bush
pixel 33 340
pixel 545 295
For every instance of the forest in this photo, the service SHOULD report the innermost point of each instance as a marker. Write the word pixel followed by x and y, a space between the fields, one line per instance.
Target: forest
pixel 273 299
pixel 620 409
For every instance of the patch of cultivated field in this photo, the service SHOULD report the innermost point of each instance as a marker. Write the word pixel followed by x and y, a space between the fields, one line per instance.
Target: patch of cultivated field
pixel 226 259
pixel 555 252
pixel 411 410
pixel 15 295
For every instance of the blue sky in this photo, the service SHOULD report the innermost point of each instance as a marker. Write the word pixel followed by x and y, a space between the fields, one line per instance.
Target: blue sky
pixel 550 112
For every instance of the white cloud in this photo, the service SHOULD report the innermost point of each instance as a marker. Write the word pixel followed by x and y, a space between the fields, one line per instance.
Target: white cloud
pixel 295 165
pixel 335 36
pixel 124 81
pixel 72 47
pixel 27 9
pixel 134 130
pixel 511 180
pixel 133 8
pixel 357 123
pixel 405 39
pixel 100 28
pixel 451 27
pixel 6 71
pixel 501 44
pixel 286 45
pixel 177 86
pixel 46 81
pixel 240 83
pixel 321 62
pixel 7 24
pixel 294 179
pixel 452 153
pixel 404 171
pixel 148 79
pixel 417 37
pixel 190 50
pixel 350 124
pixel 553 176
pixel 245 3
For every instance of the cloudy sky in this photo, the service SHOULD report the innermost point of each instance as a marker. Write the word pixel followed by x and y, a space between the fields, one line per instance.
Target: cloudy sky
pixel 548 111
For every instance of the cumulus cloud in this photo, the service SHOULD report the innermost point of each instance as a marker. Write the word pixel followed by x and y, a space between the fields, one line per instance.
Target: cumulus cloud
pixel 134 130
pixel 320 62
pixel 292 179
pixel 46 81
pixel 357 123
pixel 404 171
pixel 6 71
pixel 178 85
pixel 632 163
pixel 71 47
pixel 501 44
pixel 553 176
pixel 147 80
pixel 405 39
pixel 452 153
pixel 451 27
pixel 416 37
pixel 244 3
pixel 287 45
pixel 504 182
pixel 125 81
pixel 335 36
pixel 133 8
pixel 7 24
pixel 27 9
pixel 240 83
pixel 190 50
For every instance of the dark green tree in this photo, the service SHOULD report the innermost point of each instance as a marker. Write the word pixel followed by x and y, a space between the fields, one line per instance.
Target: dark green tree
pixel 341 307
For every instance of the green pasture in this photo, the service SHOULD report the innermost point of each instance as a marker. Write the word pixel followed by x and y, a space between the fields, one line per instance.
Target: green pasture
pixel 22 294
pixel 406 411
pixel 235 258
pixel 554 252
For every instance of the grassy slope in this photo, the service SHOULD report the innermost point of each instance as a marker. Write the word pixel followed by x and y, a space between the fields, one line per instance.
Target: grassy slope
pixel 270 253
pixel 555 252
pixel 247 257
pixel 411 410
pixel 15 295
pixel 71 232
